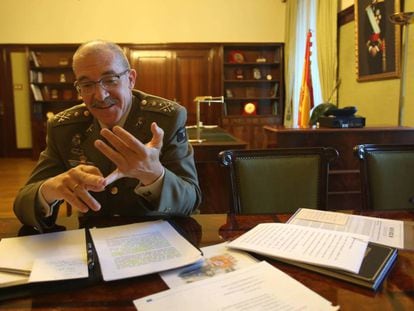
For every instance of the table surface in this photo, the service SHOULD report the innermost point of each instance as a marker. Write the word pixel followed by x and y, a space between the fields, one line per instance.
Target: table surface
pixel 396 293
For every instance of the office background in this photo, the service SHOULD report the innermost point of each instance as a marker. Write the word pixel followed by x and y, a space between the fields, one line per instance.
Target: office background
pixel 158 21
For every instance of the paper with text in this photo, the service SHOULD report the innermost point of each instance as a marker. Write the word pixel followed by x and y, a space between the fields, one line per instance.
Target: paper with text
pixel 259 286
pixel 380 230
pixel 22 253
pixel 339 250
pixel 217 259
pixel 141 248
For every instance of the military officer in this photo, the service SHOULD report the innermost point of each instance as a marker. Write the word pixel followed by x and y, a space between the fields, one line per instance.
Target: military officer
pixel 121 152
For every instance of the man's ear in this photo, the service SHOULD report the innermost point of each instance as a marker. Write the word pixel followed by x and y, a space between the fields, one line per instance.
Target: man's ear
pixel 132 77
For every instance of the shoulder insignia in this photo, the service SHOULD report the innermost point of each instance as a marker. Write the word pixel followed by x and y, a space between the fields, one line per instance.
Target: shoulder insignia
pixel 74 114
pixel 158 104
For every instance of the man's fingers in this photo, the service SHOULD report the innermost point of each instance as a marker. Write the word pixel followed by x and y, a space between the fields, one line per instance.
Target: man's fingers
pixel 157 136
pixel 115 175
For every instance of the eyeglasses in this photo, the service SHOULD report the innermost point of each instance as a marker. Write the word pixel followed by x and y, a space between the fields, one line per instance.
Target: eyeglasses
pixel 108 83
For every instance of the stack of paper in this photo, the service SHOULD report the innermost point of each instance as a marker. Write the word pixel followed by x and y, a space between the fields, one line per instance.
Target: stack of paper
pixel 257 287
pixel 46 257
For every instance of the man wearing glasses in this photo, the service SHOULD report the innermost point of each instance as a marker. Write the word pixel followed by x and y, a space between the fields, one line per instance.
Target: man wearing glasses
pixel 121 152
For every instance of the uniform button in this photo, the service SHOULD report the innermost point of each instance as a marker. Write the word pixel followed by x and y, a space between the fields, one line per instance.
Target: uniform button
pixel 114 190
pixel 76 114
pixel 143 102
pixel 86 113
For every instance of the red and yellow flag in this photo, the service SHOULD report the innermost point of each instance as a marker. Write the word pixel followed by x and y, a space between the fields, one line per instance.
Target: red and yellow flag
pixel 306 90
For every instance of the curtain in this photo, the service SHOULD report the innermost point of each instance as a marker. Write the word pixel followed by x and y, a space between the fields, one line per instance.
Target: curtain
pixel 326 33
pixel 290 59
pixel 319 16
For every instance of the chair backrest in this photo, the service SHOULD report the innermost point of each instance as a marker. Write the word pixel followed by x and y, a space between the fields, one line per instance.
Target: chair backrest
pixel 387 176
pixel 278 180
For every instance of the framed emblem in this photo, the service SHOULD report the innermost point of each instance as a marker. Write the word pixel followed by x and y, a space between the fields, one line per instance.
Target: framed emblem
pixel 236 57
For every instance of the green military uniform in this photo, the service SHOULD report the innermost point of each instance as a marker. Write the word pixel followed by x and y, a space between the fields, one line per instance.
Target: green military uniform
pixel 70 141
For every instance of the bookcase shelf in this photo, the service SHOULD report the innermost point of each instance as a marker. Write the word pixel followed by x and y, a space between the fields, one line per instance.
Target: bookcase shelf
pixel 51 82
pixel 252 81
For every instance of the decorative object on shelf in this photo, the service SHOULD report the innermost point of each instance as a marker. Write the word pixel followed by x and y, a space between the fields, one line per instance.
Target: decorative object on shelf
pixel 54 94
pixel 273 91
pixel 250 109
pixel 257 75
pixel 261 59
pixel 229 93
pixel 239 74
pixel 62 78
pixel 236 57
pixel 63 61
pixel 269 77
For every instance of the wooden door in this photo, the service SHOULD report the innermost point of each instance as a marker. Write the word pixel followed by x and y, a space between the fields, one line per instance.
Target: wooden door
pixel 154 72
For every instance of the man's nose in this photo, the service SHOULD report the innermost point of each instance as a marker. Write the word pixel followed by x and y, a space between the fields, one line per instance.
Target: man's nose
pixel 100 92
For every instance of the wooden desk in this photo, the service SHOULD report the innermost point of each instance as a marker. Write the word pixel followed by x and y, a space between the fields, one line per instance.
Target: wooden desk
pixel 344 189
pixel 214 180
pixel 396 292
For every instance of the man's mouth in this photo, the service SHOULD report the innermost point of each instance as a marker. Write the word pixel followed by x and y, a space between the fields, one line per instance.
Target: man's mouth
pixel 105 104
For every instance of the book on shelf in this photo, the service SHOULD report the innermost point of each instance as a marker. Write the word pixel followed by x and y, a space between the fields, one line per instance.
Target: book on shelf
pixel 34 58
pixel 37 93
pixel 90 255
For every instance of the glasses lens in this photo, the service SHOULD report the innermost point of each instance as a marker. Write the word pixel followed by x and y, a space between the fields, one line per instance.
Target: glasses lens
pixel 86 87
pixel 110 82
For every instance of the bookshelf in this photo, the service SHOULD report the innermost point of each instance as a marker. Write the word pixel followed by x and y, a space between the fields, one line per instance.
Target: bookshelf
pixel 51 82
pixel 253 86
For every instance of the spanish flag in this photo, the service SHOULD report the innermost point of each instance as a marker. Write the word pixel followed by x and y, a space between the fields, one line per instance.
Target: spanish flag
pixel 306 91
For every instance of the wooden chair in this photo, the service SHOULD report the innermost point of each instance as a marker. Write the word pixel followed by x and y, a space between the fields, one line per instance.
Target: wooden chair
pixel 387 176
pixel 278 180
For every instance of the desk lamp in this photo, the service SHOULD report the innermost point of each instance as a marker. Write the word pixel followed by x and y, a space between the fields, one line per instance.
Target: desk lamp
pixel 402 19
pixel 208 100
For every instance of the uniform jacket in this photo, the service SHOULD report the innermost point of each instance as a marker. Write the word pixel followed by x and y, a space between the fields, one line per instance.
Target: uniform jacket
pixel 70 138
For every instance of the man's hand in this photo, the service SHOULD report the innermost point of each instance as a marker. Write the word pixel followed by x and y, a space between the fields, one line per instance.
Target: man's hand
pixel 132 158
pixel 74 185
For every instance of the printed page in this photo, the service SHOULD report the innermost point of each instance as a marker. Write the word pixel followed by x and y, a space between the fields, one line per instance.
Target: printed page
pixel 259 286
pixel 141 248
pixel 21 253
pixel 339 250
pixel 380 230
pixel 217 259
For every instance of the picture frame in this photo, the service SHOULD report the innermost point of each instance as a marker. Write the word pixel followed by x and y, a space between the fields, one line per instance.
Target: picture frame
pixel 378 40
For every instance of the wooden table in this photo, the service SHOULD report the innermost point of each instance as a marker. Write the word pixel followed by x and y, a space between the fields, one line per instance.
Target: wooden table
pixel 214 180
pixel 344 188
pixel 396 292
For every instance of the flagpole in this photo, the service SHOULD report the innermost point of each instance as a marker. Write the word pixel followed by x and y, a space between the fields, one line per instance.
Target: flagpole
pixel 403 19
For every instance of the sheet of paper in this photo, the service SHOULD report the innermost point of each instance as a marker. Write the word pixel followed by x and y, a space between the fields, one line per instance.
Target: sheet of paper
pixel 141 248
pixel 9 279
pixel 23 252
pixel 339 250
pixel 380 230
pixel 259 286
pixel 217 259
pixel 325 216
pixel 48 269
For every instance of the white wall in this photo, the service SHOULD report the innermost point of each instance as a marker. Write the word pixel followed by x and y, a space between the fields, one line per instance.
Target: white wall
pixel 141 21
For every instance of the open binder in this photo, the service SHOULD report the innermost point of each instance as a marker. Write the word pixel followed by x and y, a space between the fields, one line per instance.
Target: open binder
pixel 95 275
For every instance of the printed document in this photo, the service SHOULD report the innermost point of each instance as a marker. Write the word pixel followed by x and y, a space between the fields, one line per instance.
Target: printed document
pixel 380 230
pixel 259 286
pixel 217 260
pixel 44 257
pixel 141 248
pixel 341 250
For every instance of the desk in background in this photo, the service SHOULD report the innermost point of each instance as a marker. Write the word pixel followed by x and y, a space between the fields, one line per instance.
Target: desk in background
pixel 344 188
pixel 396 292
pixel 214 180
